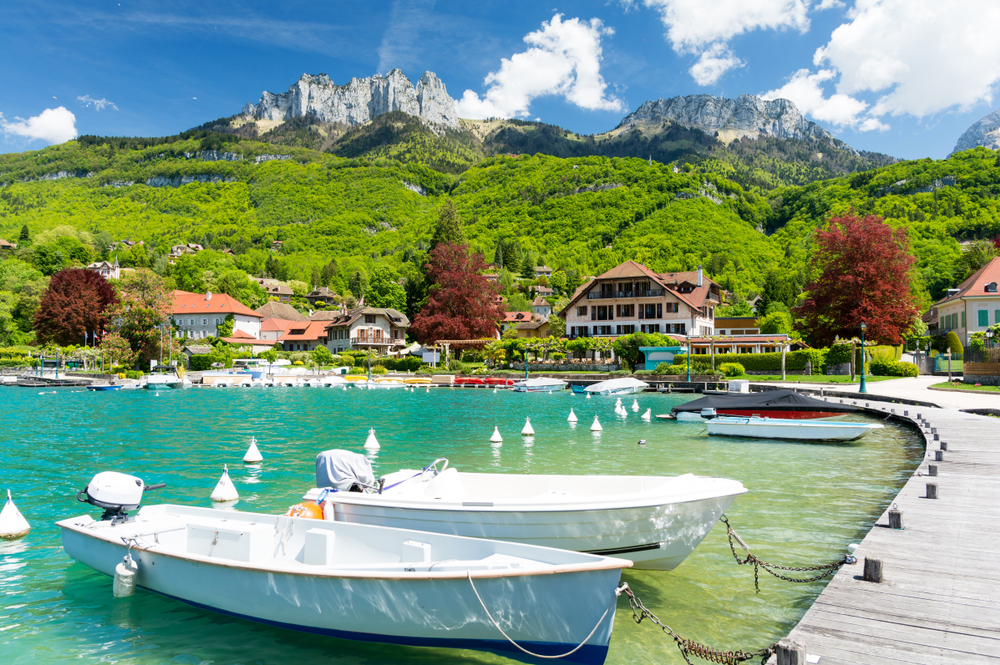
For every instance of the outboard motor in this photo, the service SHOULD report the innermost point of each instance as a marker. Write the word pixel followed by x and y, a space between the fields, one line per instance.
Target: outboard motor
pixel 117 493
pixel 344 471
pixel 708 413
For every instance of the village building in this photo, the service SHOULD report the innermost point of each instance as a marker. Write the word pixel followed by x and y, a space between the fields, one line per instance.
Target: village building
pixel 304 336
pixel 322 294
pixel 543 271
pixel 178 251
pixel 544 291
pixel 534 327
pixel 241 338
pixel 511 319
pixel 7 246
pixel 972 307
pixel 273 329
pixel 280 310
pixel 275 289
pixel 736 325
pixel 197 315
pixel 105 269
pixel 379 328
pixel 631 298
pixel 743 344
pixel 541 307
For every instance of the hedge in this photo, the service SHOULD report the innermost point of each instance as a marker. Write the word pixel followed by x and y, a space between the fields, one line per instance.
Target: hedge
pixel 18 362
pixel 763 362
pixel 892 368
pixel 201 363
pixel 732 369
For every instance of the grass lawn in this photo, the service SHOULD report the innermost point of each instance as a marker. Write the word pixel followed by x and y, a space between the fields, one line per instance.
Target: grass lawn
pixel 816 378
pixel 965 387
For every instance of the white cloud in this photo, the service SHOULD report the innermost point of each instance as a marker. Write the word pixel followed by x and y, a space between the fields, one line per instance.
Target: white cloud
pixel 400 43
pixel 703 28
pixel 563 59
pixel 805 89
pixel 99 104
pixel 52 125
pixel 925 56
pixel 829 4
pixel 713 63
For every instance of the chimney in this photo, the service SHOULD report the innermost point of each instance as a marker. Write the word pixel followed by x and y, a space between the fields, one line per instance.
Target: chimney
pixel 700 278
pixel 208 295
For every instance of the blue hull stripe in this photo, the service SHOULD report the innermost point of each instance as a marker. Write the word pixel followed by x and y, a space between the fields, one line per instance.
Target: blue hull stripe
pixel 589 654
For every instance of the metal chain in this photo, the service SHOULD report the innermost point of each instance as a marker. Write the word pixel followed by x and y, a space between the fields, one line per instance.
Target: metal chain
pixel 828 568
pixel 691 648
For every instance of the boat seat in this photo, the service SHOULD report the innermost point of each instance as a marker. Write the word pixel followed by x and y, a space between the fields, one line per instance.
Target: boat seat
pixel 446 486
pixel 415 552
pixel 318 550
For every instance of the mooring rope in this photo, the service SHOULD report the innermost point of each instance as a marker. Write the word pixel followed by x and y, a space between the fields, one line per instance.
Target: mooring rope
pixel 618 592
pixel 827 569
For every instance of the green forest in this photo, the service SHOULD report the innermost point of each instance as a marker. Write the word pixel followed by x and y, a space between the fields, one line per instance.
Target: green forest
pixel 339 217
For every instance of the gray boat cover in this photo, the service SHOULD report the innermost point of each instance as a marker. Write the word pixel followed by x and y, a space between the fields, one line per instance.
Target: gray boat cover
pixel 342 469
pixel 786 400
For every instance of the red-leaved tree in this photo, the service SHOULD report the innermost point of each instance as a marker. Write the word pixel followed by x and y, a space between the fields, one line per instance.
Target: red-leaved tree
pixel 862 269
pixel 74 304
pixel 461 303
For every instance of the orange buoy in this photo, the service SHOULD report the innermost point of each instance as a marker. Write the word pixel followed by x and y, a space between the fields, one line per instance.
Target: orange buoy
pixel 307 509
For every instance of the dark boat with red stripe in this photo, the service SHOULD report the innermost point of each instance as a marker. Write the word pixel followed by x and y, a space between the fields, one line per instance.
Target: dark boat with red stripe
pixel 786 404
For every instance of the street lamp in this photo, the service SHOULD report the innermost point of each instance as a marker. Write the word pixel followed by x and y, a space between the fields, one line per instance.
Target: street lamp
pixel 687 340
pixel 864 327
pixel 989 339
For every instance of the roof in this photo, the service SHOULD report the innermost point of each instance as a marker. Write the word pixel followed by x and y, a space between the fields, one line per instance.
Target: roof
pixel 280 310
pixel 326 315
pixel 246 339
pixel 305 331
pixel 195 350
pixel 542 269
pixel 516 317
pixel 275 325
pixel 7 245
pixel 209 303
pixel 743 339
pixel 545 290
pixel 975 285
pixel 535 323
pixel 670 281
pixel 395 317
pixel 540 302
pixel 321 292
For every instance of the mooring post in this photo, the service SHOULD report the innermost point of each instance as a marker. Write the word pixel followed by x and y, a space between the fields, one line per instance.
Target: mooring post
pixel 791 652
pixel 938 455
pixel 944 445
pixel 895 518
pixel 932 469
pixel 932 490
pixel 934 430
pixel 873 570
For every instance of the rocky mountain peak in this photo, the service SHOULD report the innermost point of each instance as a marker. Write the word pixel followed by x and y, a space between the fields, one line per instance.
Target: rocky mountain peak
pixel 747 115
pixel 360 100
pixel 986 133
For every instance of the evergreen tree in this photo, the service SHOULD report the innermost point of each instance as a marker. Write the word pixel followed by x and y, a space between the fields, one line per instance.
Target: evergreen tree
pixel 358 283
pixel 25 236
pixel 328 273
pixel 448 227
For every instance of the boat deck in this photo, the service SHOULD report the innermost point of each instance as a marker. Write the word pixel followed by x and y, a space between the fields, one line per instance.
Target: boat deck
pixel 939 599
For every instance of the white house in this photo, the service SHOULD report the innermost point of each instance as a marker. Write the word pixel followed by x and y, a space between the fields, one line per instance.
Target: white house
pixel 973 306
pixel 380 328
pixel 105 269
pixel 196 315
pixel 631 298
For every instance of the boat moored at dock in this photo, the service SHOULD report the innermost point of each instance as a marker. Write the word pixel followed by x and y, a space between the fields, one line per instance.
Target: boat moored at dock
pixel 623 386
pixel 538 385
pixel 786 404
pixel 797 430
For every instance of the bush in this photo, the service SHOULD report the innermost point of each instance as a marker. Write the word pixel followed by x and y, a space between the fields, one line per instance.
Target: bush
pixel 954 343
pixel 766 362
pixel 558 356
pixel 892 368
pixel 133 374
pixel 427 369
pixel 378 369
pixel 643 372
pixel 201 363
pixel 18 362
pixel 407 363
pixel 732 369
pixel 620 372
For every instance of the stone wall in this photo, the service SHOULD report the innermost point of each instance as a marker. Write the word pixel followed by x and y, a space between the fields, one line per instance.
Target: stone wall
pixel 987 374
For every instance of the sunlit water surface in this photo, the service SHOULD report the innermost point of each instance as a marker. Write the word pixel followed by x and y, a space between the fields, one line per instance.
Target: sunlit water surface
pixel 806 503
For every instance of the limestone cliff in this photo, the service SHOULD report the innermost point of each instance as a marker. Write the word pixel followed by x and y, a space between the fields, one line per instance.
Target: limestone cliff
pixel 359 101
pixel 986 133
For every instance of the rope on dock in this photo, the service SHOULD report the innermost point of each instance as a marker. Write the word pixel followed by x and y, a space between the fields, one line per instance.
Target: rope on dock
pixel 691 648
pixel 826 570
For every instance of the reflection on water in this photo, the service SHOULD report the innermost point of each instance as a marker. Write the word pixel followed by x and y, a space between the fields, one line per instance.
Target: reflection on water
pixel 806 503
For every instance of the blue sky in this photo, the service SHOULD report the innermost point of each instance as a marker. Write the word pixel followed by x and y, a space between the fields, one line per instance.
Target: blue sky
pixel 903 77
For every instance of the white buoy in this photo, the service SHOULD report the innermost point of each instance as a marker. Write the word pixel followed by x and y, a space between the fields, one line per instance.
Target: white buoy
pixel 527 430
pixel 618 403
pixel 596 427
pixel 12 522
pixel 253 455
pixel 371 443
pixel 635 406
pixel 572 417
pixel 125 574
pixel 494 391
pixel 588 395
pixel 648 416
pixel 224 489
pixel 428 391
pixel 496 438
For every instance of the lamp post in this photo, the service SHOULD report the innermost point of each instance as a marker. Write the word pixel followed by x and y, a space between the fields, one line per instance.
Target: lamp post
pixel 687 340
pixel 989 339
pixel 864 327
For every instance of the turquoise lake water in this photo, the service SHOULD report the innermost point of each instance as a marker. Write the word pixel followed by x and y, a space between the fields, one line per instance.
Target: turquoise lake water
pixel 806 503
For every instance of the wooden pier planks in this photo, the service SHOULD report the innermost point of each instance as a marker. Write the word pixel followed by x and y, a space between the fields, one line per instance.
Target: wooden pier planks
pixel 940 600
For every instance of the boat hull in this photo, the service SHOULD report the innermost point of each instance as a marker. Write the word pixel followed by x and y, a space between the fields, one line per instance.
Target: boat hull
pixel 103 388
pixel 432 612
pixel 794 430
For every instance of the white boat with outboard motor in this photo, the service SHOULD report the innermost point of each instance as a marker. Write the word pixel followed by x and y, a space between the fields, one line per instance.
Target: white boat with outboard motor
pixel 539 385
pixel 623 386
pixel 165 377
pixel 656 521
pixel 797 430
pixel 352 581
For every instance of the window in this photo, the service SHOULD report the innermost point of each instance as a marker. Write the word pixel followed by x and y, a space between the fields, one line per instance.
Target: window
pixel 996 316
pixel 192 322
pixel 659 311
pixel 672 308
pixel 369 318
pixel 991 287
pixel 204 322
pixel 579 331
pixel 581 311
pixel 963 319
pixel 984 318
pixel 218 320
pixel 626 311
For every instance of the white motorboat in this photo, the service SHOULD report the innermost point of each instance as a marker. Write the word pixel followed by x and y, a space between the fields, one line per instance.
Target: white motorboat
pixel 165 377
pixel 797 430
pixel 538 385
pixel 356 581
pixel 333 381
pixel 623 386
pixel 654 521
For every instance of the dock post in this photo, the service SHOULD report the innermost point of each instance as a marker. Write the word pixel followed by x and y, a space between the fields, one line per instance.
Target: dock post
pixel 791 652
pixel 938 456
pixel 895 519
pixel 932 491
pixel 873 570
pixel 932 469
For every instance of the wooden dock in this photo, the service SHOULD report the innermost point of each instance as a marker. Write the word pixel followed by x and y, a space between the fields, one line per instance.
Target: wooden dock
pixel 939 601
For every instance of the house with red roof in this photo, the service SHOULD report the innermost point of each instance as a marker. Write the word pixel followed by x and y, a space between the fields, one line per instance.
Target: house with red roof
pixel 379 328
pixel 512 319
pixel 631 298
pixel 972 307
pixel 245 339
pixel 197 315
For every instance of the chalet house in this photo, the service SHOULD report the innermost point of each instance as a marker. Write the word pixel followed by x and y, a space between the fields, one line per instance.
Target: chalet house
pixel 105 269
pixel 541 307
pixel 275 289
pixel 196 315
pixel 379 328
pixel 543 271
pixel 973 307
pixel 178 251
pixel 280 310
pixel 511 319
pixel 544 291
pixel 631 298
pixel 534 327
pixel 7 246
pixel 304 336
pixel 273 329
pixel 322 294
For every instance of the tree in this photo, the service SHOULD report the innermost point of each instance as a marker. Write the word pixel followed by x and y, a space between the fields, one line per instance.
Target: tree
pixel 328 273
pixel 25 236
pixel 72 309
pixel 322 356
pixel 238 284
pixel 558 281
pixel 358 283
pixel 225 329
pixel 270 355
pixel 448 228
pixel 461 303
pixel 863 274
pixel 557 326
pixel 775 323
pixel 384 289
pixel 118 350
pixel 979 253
pixel 143 306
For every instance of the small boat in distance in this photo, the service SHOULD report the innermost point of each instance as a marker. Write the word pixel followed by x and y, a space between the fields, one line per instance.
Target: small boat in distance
pixel 164 377
pixel 105 387
pixel 623 386
pixel 538 385
pixel 785 404
pixel 794 430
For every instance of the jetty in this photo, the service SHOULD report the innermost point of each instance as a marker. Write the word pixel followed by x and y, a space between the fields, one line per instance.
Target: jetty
pixel 926 588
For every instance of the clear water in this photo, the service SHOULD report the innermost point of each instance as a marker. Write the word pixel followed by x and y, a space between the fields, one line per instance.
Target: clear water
pixel 806 503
